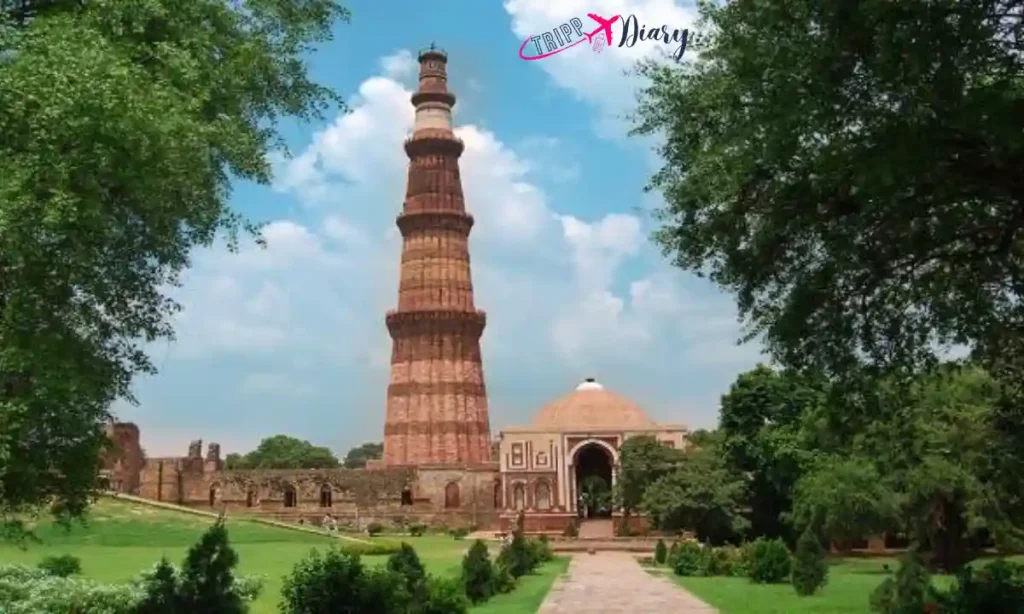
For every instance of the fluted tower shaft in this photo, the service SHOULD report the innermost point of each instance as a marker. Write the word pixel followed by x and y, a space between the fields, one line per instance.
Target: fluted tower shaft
pixel 437 402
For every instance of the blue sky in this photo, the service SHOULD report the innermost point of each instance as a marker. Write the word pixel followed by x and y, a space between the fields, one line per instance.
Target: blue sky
pixel 291 339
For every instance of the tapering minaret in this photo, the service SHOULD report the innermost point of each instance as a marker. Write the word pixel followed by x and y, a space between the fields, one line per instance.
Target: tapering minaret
pixel 437 402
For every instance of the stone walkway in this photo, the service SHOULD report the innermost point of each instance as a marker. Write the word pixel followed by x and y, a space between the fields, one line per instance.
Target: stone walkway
pixel 614 582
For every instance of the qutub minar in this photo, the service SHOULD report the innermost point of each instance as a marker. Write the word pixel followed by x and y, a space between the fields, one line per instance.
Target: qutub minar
pixel 440 466
pixel 436 401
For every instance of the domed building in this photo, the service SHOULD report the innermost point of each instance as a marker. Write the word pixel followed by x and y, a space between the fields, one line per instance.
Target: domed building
pixel 553 469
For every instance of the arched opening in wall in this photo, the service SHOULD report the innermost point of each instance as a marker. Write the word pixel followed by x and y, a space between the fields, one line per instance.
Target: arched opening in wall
pixel 326 498
pixel 593 481
pixel 406 496
pixel 519 497
pixel 542 496
pixel 451 496
pixel 214 492
pixel 290 497
pixel 497 494
pixel 250 498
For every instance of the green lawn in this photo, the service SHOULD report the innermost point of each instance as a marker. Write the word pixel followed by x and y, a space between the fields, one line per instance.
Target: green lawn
pixel 850 584
pixel 121 539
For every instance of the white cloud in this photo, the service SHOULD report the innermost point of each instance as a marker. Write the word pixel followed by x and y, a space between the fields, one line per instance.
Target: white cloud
pixel 304 318
pixel 400 65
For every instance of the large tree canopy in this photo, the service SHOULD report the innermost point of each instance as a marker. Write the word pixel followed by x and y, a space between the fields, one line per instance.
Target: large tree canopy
pixel 852 172
pixel 357 456
pixel 124 123
pixel 284 452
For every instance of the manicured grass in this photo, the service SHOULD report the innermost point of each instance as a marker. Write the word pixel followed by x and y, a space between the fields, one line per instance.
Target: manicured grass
pixel 529 594
pixel 850 584
pixel 121 539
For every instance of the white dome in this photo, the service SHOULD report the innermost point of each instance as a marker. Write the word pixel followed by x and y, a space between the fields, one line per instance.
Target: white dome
pixel 590 384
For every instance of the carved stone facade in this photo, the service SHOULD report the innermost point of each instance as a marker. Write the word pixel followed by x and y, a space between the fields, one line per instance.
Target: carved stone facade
pixel 436 401
pixel 542 465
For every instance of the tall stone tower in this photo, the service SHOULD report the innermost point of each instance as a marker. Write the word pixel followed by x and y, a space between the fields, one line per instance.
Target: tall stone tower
pixel 437 402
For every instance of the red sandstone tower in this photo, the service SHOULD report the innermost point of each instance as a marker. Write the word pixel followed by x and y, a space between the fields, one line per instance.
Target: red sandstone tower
pixel 437 402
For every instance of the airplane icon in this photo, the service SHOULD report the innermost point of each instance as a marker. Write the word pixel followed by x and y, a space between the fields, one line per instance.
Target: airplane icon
pixel 605 26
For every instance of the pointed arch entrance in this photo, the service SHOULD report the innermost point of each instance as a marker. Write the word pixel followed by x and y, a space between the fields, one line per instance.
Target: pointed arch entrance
pixel 593 476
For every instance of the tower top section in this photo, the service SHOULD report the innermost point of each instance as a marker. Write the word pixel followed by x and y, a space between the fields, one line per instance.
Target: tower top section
pixel 433 103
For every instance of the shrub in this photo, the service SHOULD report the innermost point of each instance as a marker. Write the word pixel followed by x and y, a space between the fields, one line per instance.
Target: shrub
pixel 376 548
pixel 660 552
pixel 417 529
pixel 444 596
pixel 61 566
pixel 673 552
pixel 769 561
pixel 503 580
pixel 572 529
pixel 384 592
pixel 689 559
pixel 715 562
pixel 810 569
pixel 459 533
pixel 161 590
pixel 323 584
pixel 736 561
pixel 996 587
pixel 478 574
pixel 207 579
pixel 541 550
pixel 406 563
pixel 374 528
pixel 907 592
pixel 518 557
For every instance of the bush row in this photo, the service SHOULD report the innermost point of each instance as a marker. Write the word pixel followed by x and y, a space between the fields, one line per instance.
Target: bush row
pixel 28 590
pixel 483 579
pixel 338 581
pixel 763 560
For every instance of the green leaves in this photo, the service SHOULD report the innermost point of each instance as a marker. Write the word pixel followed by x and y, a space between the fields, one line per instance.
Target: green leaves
pixel 849 175
pixel 284 452
pixel 124 124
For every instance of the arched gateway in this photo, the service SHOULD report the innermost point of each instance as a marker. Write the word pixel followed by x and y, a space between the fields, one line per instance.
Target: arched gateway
pixel 569 454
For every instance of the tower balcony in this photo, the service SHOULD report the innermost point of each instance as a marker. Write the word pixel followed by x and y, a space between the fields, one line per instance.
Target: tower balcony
pixel 418 322
pixel 434 220
pixel 437 141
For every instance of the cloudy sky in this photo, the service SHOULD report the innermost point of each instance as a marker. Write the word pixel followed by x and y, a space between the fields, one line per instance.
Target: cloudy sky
pixel 291 339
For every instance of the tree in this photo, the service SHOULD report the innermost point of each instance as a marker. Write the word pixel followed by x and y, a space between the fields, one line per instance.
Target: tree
pixel 762 425
pixel 161 591
pixel 855 186
pixel 357 456
pixel 702 494
pixel 595 495
pixel 845 499
pixel 406 563
pixel 478 573
pixel 642 460
pixel 810 568
pixel 845 222
pixel 207 577
pixel 284 452
pixel 124 125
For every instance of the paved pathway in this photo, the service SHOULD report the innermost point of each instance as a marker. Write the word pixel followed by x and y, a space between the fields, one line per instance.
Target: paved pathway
pixel 612 583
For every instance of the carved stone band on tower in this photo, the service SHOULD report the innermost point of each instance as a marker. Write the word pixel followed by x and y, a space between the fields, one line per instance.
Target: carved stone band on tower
pixel 436 402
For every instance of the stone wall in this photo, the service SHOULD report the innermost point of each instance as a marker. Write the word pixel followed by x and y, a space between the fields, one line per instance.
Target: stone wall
pixel 123 463
pixel 450 496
